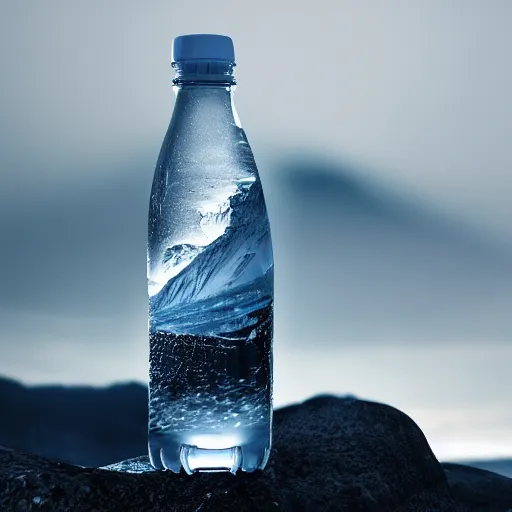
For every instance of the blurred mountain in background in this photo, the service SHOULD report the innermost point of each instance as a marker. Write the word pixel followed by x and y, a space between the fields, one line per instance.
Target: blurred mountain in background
pixel 81 425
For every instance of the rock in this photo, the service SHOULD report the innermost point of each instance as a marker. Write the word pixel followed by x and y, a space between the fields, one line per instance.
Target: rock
pixel 330 454
pixel 479 490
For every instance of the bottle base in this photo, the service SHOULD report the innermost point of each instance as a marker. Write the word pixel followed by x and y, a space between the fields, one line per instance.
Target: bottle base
pixel 164 454
pixel 194 459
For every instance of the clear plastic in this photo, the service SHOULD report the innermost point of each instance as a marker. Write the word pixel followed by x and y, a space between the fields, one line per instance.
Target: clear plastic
pixel 210 283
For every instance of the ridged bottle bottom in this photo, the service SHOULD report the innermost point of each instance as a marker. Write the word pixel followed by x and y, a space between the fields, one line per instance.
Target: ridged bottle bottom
pixel 215 454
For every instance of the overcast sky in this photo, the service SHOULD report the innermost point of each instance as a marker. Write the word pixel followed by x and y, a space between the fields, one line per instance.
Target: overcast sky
pixel 382 134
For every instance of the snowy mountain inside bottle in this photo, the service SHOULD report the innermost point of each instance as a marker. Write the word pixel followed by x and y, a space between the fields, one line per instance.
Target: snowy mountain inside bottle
pixel 214 288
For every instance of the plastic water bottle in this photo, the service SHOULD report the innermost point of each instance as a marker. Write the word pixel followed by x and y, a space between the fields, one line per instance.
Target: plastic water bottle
pixel 210 278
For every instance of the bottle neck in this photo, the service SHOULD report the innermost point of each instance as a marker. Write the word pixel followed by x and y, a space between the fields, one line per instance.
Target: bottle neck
pixel 205 106
pixel 204 93
pixel 204 72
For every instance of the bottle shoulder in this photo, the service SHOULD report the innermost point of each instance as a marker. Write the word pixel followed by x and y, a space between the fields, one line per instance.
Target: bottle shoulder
pixel 217 149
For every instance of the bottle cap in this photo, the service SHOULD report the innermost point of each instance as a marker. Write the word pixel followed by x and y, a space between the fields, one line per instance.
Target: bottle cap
pixel 203 47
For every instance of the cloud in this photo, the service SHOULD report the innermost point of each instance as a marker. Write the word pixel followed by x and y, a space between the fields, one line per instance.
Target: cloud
pixel 360 262
pixel 79 247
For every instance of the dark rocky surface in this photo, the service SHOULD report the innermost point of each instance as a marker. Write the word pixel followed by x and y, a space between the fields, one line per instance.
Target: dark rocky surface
pixel 329 454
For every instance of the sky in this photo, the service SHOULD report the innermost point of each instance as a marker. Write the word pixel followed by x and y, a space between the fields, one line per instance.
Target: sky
pixel 381 131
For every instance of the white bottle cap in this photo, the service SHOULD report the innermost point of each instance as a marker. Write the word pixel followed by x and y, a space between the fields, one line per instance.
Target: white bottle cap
pixel 203 47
